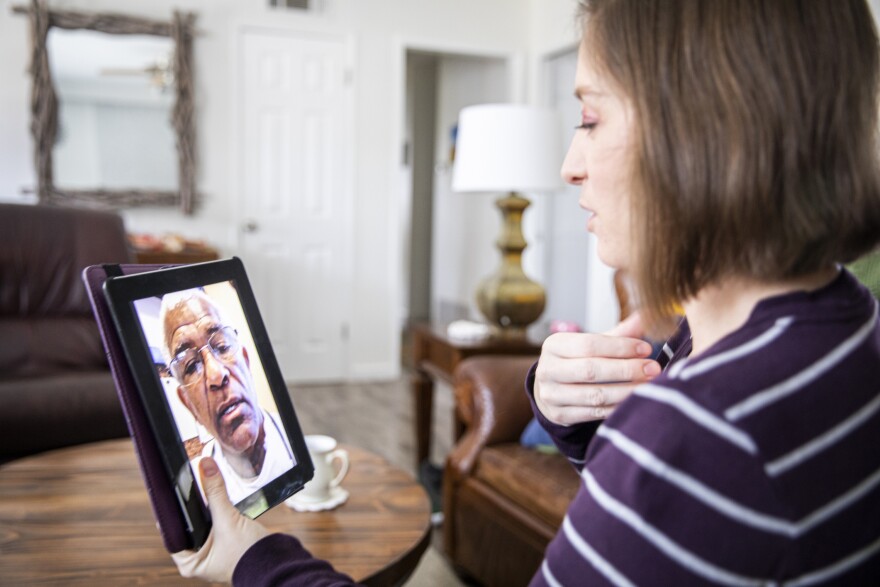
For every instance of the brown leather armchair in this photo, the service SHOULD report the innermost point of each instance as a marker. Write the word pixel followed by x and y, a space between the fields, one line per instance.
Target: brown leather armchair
pixel 502 502
pixel 55 385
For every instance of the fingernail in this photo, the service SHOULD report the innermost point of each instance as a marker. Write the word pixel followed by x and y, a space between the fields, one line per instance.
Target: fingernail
pixel 209 467
pixel 643 348
pixel 652 369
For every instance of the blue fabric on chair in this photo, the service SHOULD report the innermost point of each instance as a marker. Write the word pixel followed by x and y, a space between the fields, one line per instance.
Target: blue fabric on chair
pixel 534 436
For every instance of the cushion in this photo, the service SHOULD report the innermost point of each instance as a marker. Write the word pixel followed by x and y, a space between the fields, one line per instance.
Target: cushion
pixel 49 345
pixel 62 410
pixel 543 484
pixel 43 250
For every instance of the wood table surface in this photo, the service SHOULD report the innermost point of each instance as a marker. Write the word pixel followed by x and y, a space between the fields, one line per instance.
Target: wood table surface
pixel 81 516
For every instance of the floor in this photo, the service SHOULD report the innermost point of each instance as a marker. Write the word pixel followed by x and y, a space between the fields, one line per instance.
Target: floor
pixel 378 417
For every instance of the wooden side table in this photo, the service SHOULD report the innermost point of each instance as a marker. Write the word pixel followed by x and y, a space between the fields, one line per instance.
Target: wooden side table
pixel 81 516
pixel 436 355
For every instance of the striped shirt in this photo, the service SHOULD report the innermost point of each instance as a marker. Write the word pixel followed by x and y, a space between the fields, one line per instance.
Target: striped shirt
pixel 756 463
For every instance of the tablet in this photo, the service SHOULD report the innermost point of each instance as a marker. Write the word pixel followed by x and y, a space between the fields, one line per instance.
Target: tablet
pixel 210 385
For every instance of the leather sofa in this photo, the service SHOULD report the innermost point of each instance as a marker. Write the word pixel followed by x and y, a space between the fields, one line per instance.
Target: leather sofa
pixel 502 502
pixel 55 385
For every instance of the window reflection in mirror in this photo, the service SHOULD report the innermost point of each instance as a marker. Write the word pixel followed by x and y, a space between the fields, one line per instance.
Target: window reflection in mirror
pixel 115 97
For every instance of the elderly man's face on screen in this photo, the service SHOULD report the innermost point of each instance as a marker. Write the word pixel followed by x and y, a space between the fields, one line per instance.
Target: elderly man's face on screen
pixel 213 373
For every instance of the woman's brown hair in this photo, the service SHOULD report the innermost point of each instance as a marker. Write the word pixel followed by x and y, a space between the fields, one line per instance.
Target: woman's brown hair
pixel 757 124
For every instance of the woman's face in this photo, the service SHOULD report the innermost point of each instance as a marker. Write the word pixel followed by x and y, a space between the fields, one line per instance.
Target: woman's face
pixel 599 160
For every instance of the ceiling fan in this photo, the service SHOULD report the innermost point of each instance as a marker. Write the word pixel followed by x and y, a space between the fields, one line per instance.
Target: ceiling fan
pixel 160 73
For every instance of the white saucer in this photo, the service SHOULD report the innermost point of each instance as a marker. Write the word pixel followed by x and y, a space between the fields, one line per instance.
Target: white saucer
pixel 338 496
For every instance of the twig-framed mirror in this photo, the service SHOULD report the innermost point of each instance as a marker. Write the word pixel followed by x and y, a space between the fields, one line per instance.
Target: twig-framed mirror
pixel 175 71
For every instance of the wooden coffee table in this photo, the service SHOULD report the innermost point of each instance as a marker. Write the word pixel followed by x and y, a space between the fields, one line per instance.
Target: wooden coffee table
pixel 81 516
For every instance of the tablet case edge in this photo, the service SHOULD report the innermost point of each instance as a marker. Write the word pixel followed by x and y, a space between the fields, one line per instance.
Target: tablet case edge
pixel 170 520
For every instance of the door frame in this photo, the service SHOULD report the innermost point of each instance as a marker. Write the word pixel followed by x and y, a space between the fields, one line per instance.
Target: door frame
pixel 346 161
pixel 515 62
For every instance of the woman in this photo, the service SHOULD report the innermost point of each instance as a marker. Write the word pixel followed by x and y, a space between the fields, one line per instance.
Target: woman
pixel 728 154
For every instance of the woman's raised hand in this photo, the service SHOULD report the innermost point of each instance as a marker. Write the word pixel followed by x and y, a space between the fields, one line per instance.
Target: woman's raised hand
pixel 584 377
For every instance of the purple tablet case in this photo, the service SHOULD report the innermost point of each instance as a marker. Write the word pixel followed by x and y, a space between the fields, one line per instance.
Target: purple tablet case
pixel 169 517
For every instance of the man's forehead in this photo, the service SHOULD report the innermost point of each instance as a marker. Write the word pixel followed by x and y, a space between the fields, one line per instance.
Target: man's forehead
pixel 192 311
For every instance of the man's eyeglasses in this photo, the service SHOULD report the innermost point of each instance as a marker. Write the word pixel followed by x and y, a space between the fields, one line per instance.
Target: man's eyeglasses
pixel 188 367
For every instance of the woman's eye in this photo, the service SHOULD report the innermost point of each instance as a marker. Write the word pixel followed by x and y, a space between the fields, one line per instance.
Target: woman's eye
pixel 587 126
pixel 587 123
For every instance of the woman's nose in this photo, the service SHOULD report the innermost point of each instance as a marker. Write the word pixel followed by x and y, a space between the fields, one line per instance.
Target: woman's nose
pixel 573 168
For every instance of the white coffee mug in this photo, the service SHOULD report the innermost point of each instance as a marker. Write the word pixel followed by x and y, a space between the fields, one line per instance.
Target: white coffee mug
pixel 324 453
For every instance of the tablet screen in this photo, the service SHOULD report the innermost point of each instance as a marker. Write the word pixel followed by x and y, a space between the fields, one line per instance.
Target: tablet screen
pixel 207 377
pixel 215 386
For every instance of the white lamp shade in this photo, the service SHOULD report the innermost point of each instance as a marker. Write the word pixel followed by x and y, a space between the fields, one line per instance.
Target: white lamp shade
pixel 507 148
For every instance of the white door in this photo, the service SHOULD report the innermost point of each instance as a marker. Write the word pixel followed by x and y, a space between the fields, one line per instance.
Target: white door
pixel 295 216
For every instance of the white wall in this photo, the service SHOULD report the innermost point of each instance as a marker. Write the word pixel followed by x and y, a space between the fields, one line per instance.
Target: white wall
pixel 377 27
pixel 553 29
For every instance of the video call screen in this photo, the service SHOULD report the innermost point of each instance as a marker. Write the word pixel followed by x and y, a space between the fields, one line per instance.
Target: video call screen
pixel 214 384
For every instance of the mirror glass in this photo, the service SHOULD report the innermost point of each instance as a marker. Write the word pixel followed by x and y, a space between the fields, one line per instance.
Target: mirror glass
pixel 115 98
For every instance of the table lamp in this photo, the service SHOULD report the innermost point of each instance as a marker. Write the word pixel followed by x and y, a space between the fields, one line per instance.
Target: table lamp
pixel 509 148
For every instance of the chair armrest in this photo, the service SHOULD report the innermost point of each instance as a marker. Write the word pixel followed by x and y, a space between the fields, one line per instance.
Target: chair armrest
pixel 490 403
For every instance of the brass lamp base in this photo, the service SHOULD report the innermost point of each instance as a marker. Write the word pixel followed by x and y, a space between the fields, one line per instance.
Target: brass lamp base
pixel 508 298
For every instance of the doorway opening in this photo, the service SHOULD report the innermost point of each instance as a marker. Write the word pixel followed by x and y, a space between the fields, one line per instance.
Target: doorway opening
pixel 446 237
